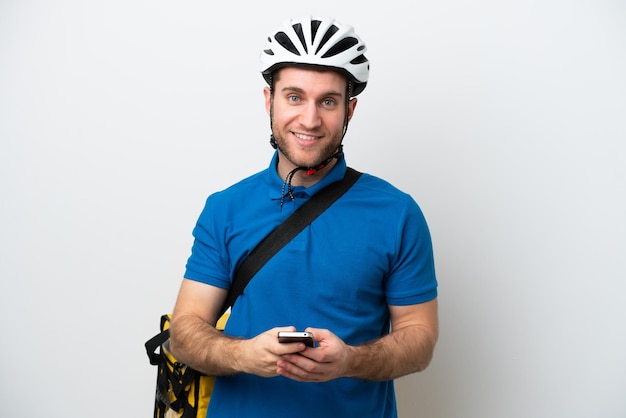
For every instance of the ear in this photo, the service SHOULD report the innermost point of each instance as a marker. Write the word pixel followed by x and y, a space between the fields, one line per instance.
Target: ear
pixel 351 106
pixel 268 99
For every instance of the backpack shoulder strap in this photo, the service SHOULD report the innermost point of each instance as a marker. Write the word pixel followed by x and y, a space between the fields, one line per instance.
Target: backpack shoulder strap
pixel 287 230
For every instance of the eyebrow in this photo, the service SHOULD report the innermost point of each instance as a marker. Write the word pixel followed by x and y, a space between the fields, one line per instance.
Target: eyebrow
pixel 301 91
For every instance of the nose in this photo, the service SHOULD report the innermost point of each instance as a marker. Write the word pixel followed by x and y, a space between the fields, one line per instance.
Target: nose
pixel 310 117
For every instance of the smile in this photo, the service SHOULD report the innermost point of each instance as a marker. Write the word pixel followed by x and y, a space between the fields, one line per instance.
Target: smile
pixel 305 137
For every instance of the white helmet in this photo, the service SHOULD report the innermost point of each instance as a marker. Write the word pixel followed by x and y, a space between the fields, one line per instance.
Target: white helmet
pixel 317 42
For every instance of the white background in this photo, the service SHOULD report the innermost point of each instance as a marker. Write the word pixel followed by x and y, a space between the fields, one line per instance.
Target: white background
pixel 505 120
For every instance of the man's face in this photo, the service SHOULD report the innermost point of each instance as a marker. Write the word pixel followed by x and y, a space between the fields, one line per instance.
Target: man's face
pixel 308 109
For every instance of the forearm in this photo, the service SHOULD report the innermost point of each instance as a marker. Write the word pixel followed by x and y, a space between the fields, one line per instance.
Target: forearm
pixel 199 345
pixel 397 354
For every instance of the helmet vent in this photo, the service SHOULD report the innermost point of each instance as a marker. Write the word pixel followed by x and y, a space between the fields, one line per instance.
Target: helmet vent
pixel 285 42
pixel 315 24
pixel 341 46
pixel 329 33
pixel 359 60
pixel 298 29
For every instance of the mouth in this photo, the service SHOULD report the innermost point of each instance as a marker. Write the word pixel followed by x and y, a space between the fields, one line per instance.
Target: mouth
pixel 304 137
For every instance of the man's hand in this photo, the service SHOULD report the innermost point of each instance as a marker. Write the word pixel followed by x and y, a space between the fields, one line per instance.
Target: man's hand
pixel 408 348
pixel 261 354
pixel 326 362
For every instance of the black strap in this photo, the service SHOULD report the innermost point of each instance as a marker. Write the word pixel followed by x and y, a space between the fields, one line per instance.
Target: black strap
pixel 287 230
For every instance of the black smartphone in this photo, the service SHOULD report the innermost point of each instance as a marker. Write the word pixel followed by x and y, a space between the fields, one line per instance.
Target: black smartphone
pixel 296 337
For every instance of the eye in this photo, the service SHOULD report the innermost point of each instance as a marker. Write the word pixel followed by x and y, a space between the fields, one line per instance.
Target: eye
pixel 328 102
pixel 293 98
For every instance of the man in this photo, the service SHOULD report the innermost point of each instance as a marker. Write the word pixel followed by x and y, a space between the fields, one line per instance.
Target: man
pixel 360 277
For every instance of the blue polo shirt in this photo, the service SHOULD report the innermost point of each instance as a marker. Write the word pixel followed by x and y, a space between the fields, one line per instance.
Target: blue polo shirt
pixel 370 249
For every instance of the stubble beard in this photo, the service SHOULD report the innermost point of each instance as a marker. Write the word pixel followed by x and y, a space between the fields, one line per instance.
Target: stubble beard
pixel 288 151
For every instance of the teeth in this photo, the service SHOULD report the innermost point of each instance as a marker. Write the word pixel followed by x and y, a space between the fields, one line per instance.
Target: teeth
pixel 305 137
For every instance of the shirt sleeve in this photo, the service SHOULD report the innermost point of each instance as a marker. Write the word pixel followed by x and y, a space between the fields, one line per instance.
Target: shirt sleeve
pixel 412 279
pixel 208 263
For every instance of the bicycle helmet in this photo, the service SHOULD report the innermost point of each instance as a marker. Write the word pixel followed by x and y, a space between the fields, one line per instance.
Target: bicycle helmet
pixel 317 42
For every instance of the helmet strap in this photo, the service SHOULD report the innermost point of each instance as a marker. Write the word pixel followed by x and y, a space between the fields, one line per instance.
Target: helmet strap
pixel 309 172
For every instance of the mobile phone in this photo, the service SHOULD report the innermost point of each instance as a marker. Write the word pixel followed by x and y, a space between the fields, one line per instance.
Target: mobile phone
pixel 296 337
